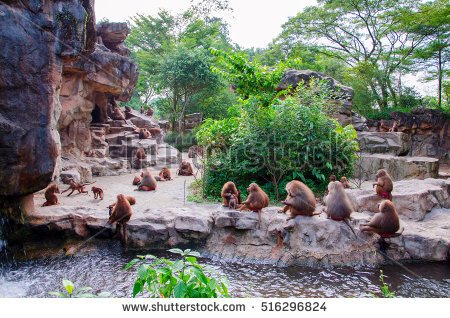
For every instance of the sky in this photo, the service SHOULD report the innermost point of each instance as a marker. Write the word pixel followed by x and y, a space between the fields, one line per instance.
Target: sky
pixel 252 23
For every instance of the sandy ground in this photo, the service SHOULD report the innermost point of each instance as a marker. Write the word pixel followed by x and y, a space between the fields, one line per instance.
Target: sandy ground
pixel 169 194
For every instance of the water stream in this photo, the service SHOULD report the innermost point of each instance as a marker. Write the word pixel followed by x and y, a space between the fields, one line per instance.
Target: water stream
pixel 102 270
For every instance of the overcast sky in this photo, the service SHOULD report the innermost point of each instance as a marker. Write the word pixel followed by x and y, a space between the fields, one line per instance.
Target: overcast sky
pixel 252 23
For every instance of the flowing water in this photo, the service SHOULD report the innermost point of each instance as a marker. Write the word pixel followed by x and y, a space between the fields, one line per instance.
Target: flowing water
pixel 102 270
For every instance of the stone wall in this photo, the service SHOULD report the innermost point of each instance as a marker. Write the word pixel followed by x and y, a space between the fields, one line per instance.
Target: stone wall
pixel 428 130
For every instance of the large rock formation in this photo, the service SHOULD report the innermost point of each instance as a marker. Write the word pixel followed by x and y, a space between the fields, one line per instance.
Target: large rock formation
pixel 37 38
pixel 167 221
pixel 341 95
pixel 91 86
pixel 428 129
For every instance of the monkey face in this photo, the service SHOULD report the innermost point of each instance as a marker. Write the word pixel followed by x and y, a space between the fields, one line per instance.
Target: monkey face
pixel 252 188
pixel 381 173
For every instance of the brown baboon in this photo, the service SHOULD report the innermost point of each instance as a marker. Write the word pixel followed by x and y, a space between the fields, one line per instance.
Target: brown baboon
pixel 98 192
pixel 130 199
pixel 148 182
pixel 300 200
pixel 339 207
pixel 345 183
pixel 118 114
pixel 384 185
pixel 228 189
pixel 76 186
pixel 332 178
pixel 385 223
pixel 136 180
pixel 144 133
pixel 165 174
pixel 50 195
pixel 257 200
pixel 121 213
pixel 149 112
pixel 140 154
pixel 185 169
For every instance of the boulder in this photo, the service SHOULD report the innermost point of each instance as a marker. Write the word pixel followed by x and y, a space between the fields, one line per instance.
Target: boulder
pixel 35 42
pixel 396 144
pixel 398 167
pixel 413 199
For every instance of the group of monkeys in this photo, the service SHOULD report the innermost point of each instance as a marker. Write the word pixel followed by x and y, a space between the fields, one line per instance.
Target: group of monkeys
pixel 300 200
pixel 120 211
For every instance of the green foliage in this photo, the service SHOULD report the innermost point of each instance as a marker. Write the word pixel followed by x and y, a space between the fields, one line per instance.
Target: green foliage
pixel 172 52
pixel 183 278
pixel 271 141
pixel 384 289
pixel 180 140
pixel 72 292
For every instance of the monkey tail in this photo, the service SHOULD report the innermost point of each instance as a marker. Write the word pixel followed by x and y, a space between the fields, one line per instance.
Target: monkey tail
pixel 351 228
pixel 85 184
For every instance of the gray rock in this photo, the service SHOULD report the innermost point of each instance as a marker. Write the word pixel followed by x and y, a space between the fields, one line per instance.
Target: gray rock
pixel 398 167
pixel 397 144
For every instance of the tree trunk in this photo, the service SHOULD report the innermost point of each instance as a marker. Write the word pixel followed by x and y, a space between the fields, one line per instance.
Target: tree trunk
pixel 440 75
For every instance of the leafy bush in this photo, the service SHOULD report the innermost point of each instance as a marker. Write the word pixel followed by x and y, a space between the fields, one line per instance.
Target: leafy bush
pixel 180 140
pixel 183 278
pixel 270 139
pixel 72 292
pixel 384 289
pixel 284 141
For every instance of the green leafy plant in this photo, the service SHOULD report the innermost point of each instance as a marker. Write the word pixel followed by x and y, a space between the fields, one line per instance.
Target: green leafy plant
pixel 72 292
pixel 183 278
pixel 384 289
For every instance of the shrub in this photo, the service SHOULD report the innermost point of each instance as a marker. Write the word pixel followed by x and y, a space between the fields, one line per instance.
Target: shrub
pixel 276 144
pixel 180 140
pixel 183 278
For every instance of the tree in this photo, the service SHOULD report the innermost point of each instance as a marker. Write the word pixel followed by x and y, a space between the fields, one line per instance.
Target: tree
pixel 183 74
pixel 433 22
pixel 365 34
pixel 172 52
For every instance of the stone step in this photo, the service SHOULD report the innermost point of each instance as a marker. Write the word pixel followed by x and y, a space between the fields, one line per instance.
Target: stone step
pixel 399 168
pixel 120 138
pixel 396 143
pixel 413 199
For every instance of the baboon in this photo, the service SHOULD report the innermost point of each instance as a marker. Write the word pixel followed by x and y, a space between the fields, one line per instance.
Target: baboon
pixel 394 127
pixel 300 200
pixel 148 182
pixel 165 174
pixel 185 169
pixel 121 213
pixel 50 195
pixel 118 114
pixel 142 109
pixel 332 178
pixel 144 133
pixel 345 183
pixel 385 223
pixel 76 186
pixel 384 185
pixel 136 180
pixel 228 189
pixel 149 112
pixel 257 200
pixel 155 132
pixel 339 207
pixel 130 199
pixel 98 192
pixel 140 154
pixel 127 109
pixel 233 202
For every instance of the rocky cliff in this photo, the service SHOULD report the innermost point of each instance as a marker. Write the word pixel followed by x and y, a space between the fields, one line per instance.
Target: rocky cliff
pixel 428 129
pixel 37 38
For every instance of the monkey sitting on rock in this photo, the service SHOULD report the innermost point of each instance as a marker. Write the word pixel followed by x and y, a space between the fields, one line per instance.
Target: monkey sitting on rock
pixel 257 200
pixel 50 195
pixel 300 200
pixel 384 184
